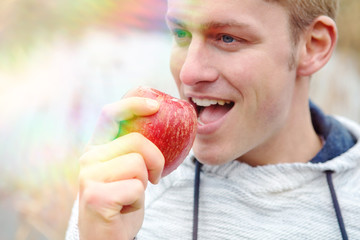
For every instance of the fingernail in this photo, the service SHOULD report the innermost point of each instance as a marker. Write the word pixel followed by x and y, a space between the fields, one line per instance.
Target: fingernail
pixel 153 104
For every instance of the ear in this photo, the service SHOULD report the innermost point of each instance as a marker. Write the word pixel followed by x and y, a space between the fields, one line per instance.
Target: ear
pixel 317 45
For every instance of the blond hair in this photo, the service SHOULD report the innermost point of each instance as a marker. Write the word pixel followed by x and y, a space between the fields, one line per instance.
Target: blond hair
pixel 303 12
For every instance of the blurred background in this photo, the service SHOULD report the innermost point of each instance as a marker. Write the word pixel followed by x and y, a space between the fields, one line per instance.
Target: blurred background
pixel 62 60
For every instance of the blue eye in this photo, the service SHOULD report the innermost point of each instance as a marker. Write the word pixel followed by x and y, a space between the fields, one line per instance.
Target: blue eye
pixel 227 39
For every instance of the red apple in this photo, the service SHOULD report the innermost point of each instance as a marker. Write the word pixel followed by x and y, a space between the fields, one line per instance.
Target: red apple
pixel 172 129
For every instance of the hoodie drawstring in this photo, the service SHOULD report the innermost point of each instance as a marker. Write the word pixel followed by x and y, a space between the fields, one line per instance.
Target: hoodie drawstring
pixel 198 166
pixel 336 204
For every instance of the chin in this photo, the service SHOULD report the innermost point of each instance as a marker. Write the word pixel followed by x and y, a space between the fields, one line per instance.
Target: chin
pixel 208 158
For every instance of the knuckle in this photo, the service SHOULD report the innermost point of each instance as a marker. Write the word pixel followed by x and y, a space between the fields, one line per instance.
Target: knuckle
pixel 138 188
pixel 94 202
pixel 108 206
pixel 137 161
pixel 89 194
pixel 88 158
pixel 138 166
pixel 92 156
pixel 136 137
pixel 137 158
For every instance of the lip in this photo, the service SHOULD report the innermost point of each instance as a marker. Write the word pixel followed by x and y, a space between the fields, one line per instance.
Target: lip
pixel 210 128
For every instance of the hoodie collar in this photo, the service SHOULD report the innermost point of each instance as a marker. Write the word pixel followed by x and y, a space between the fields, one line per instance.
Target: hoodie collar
pixel 336 137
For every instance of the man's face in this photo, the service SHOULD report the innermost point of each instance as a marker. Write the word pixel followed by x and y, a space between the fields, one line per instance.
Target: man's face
pixel 231 59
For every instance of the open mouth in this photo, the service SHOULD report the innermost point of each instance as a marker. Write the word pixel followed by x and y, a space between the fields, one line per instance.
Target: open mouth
pixel 211 110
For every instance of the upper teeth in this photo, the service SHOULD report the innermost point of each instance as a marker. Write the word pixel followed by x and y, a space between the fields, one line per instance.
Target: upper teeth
pixel 208 102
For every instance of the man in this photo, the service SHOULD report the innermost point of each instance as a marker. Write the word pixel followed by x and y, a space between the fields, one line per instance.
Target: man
pixel 268 158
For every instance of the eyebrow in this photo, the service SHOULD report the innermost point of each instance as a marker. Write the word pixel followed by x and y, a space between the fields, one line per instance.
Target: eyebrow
pixel 210 25
pixel 175 21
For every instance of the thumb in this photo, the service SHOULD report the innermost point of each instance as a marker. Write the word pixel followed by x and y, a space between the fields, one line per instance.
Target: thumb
pixel 107 126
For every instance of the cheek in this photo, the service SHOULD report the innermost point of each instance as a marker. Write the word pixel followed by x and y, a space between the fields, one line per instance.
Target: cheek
pixel 275 97
pixel 266 85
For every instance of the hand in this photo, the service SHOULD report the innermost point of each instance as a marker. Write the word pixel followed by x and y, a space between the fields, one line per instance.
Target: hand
pixel 114 173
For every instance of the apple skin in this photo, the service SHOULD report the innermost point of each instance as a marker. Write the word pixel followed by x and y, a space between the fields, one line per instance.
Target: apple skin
pixel 172 129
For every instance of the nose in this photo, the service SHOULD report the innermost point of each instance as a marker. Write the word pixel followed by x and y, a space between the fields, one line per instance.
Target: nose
pixel 198 64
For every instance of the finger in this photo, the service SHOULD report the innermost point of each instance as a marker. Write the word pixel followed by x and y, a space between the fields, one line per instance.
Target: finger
pixel 130 143
pixel 129 166
pixel 107 126
pixel 108 199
